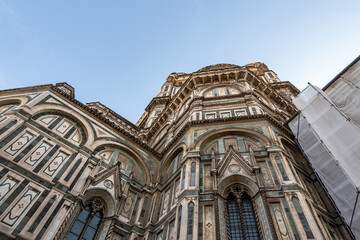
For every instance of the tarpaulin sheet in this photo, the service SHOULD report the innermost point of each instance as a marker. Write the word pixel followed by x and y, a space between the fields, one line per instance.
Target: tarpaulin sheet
pixel 331 141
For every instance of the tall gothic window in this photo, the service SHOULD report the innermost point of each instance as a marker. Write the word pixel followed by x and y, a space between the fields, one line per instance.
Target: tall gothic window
pixel 281 168
pixel 87 222
pixel 179 223
pixel 192 175
pixel 241 216
pixel 183 178
pixel 234 218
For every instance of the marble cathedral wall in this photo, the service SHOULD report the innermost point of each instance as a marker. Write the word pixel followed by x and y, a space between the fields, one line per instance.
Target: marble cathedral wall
pixel 209 159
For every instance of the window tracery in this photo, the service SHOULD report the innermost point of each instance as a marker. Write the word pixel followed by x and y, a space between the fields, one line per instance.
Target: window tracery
pixel 240 213
pixel 88 221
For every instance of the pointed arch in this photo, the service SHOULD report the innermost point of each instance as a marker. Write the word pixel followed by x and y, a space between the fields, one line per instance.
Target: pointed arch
pixel 170 156
pixel 91 217
pixel 109 203
pixel 293 152
pixel 248 183
pixel 143 165
pixel 240 213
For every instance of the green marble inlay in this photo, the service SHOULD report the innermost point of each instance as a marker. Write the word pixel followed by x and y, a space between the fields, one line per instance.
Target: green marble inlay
pixel 28 148
pixel 291 220
pixel 11 136
pixel 52 216
pixel 29 214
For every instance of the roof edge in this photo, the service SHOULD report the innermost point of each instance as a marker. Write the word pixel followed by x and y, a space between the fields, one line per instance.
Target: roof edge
pixel 341 73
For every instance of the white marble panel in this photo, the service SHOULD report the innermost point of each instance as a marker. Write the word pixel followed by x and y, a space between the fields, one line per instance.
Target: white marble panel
pixel 64 126
pixel 56 163
pixel 19 208
pixel 6 185
pixel 38 153
pixel 19 143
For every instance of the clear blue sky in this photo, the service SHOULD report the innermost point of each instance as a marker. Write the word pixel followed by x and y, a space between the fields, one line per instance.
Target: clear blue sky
pixel 120 52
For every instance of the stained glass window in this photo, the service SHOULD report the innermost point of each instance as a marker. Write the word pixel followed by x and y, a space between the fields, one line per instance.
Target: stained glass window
pixel 249 219
pixel 234 218
pixel 86 225
pixel 242 218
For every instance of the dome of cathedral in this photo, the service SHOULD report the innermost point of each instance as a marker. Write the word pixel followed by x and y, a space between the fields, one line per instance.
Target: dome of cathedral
pixel 215 67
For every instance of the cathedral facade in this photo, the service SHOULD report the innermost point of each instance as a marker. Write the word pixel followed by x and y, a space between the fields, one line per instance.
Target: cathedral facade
pixel 209 159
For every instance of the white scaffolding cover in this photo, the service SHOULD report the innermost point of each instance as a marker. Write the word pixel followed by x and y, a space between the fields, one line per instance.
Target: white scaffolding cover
pixel 331 142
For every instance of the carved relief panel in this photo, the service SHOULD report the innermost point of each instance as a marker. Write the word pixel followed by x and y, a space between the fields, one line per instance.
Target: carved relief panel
pixel 128 205
pixel 266 174
pixel 209 229
pixel 280 222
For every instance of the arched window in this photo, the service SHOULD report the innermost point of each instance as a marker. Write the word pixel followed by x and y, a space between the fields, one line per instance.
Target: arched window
pixel 87 222
pixel 192 175
pixel 183 178
pixel 249 219
pixel 234 218
pixel 241 216
pixel 190 224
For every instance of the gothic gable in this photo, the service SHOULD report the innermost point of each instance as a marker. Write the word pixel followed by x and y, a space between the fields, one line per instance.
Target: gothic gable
pixel 233 163
pixel 109 180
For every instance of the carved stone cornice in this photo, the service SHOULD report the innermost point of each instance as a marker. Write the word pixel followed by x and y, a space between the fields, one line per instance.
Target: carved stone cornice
pixel 156 101
pixel 217 120
pixel 285 85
